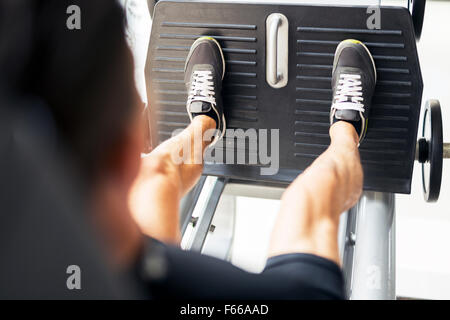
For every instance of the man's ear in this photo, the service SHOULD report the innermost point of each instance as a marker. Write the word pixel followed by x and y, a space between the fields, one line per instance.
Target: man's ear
pixel 110 197
pixel 127 155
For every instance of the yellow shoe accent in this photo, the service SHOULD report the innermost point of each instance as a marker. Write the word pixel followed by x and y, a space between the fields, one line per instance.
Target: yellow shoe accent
pixel 207 38
pixel 353 41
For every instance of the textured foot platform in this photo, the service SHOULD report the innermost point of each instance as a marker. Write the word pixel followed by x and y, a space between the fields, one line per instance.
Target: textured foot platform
pixel 300 110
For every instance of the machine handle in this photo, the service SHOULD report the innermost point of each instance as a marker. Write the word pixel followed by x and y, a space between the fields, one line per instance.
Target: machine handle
pixel 277 50
pixel 273 75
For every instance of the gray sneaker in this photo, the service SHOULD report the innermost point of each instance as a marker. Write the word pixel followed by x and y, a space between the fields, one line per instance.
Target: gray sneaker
pixel 203 75
pixel 353 82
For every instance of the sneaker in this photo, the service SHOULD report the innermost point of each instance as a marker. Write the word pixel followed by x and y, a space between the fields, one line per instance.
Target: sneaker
pixel 203 75
pixel 353 83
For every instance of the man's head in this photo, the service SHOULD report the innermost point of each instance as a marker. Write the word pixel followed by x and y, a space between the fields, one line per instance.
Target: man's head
pixel 85 78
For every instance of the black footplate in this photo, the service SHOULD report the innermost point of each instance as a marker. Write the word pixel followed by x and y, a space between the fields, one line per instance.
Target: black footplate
pixel 300 110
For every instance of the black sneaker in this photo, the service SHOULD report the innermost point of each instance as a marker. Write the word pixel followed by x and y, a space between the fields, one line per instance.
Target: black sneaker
pixel 353 83
pixel 203 75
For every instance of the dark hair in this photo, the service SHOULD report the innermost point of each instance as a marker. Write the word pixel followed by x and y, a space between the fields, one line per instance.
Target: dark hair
pixel 84 76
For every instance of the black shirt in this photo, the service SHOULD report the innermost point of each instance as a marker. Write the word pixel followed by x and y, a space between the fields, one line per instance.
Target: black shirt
pixel 169 272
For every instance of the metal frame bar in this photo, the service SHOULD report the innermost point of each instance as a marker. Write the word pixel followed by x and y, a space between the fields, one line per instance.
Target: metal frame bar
pixel 188 203
pixel 369 257
pixel 220 239
pixel 347 239
pixel 204 224
pixel 151 6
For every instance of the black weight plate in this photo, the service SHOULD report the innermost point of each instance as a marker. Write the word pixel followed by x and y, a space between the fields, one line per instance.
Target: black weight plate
pixel 432 168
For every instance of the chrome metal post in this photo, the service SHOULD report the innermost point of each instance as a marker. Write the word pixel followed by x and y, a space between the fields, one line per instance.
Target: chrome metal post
pixel 373 272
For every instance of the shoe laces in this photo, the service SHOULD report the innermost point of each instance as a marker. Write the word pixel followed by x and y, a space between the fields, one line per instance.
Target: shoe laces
pixel 349 93
pixel 202 87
